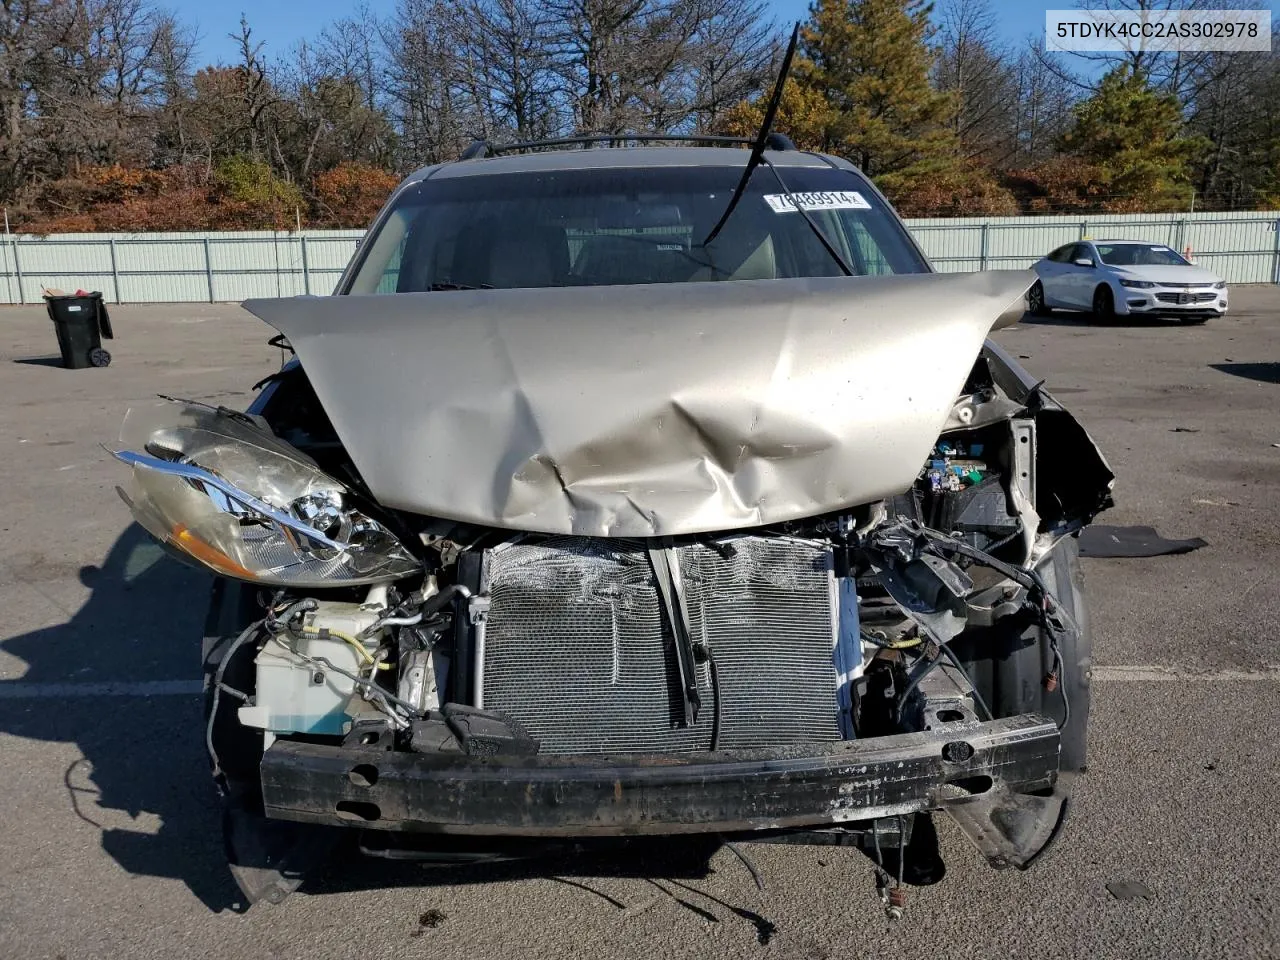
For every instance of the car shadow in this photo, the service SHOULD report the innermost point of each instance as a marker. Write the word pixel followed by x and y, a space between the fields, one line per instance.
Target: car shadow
pixel 142 779
pixel 1262 372
pixel 1067 318
pixel 671 868
pixel 673 858
pixel 668 865
pixel 120 678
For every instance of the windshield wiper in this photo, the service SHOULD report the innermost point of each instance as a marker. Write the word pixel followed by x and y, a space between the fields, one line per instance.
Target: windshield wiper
pixel 762 137
pixel 757 157
pixel 448 285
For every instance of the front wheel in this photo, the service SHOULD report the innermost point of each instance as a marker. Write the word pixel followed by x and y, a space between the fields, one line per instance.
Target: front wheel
pixel 1104 304
pixel 1035 301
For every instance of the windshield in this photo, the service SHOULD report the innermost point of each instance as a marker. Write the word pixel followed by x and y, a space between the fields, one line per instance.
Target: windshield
pixel 613 226
pixel 1139 255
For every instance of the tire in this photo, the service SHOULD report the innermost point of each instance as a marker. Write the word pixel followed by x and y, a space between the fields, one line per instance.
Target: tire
pixel 1035 301
pixel 1104 304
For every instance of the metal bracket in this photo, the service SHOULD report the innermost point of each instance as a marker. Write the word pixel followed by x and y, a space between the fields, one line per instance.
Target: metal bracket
pixel 478 609
pixel 1024 458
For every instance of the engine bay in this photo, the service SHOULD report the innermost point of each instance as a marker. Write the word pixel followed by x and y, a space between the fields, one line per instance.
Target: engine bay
pixel 823 629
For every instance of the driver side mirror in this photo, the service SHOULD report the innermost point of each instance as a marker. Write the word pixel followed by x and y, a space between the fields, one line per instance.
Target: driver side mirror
pixel 1083 262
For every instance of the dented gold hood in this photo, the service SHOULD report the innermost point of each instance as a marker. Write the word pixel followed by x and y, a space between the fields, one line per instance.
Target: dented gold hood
pixel 635 411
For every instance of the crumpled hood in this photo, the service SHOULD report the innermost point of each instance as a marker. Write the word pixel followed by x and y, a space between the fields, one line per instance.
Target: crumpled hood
pixel 635 411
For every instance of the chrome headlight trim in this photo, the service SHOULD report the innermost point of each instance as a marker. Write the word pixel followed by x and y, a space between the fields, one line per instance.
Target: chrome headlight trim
pixel 201 477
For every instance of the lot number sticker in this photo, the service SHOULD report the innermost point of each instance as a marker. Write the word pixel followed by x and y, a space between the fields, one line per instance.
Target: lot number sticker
pixel 838 200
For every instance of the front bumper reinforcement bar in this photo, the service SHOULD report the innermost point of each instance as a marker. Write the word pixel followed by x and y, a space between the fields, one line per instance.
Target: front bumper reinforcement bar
pixel 791 786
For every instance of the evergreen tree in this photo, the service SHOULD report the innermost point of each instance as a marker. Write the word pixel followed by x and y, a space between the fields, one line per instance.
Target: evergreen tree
pixel 860 89
pixel 1135 138
pixel 871 61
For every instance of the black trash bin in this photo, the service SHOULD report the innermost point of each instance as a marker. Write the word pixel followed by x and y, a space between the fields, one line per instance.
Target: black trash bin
pixel 81 324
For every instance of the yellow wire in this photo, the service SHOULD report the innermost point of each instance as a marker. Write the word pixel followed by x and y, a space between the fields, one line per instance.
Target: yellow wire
pixel 365 655
pixel 897 644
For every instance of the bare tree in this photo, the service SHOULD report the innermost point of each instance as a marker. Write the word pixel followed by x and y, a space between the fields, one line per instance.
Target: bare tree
pixel 1237 107
pixel 505 69
pixel 324 117
pixel 974 64
pixel 1044 109
pixel 256 93
pixel 20 66
pixel 352 48
pixel 657 65
pixel 422 79
pixel 729 58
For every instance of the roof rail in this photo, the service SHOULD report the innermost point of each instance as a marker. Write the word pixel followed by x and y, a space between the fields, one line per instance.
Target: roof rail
pixel 482 148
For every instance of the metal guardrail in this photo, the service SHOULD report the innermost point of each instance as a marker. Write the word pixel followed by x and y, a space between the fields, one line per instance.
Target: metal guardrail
pixel 139 268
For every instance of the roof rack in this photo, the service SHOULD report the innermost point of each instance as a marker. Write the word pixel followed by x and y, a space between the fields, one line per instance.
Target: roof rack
pixel 482 148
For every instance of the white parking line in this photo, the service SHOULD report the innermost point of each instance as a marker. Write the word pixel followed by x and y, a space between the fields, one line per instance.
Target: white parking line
pixel 1154 674
pixel 22 690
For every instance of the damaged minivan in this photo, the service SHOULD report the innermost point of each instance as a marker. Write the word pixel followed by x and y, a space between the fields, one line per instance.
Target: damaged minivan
pixel 636 492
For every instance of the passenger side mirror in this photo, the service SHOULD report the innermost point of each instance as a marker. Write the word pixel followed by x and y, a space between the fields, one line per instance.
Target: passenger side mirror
pixel 1083 262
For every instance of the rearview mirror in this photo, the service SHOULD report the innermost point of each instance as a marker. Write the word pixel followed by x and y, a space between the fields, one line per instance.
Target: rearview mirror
pixel 1083 262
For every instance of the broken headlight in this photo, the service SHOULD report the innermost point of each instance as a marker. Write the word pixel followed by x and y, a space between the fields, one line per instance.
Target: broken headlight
pixel 227 493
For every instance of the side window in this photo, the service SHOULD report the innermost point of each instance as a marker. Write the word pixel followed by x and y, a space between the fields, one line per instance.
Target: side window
pixel 379 271
pixel 390 279
pixel 1061 255
pixel 866 252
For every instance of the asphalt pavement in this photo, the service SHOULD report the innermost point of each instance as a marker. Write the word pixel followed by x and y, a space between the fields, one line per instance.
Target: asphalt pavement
pixel 109 836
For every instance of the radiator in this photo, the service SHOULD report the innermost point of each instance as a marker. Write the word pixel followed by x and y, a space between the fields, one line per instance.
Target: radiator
pixel 576 645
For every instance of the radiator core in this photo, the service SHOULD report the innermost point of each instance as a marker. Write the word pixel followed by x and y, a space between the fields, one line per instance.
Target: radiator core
pixel 576 645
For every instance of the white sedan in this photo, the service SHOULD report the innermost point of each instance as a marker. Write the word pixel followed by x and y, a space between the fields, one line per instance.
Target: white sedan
pixel 1126 277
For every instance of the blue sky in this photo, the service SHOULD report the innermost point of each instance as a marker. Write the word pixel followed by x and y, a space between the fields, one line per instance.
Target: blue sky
pixel 281 23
